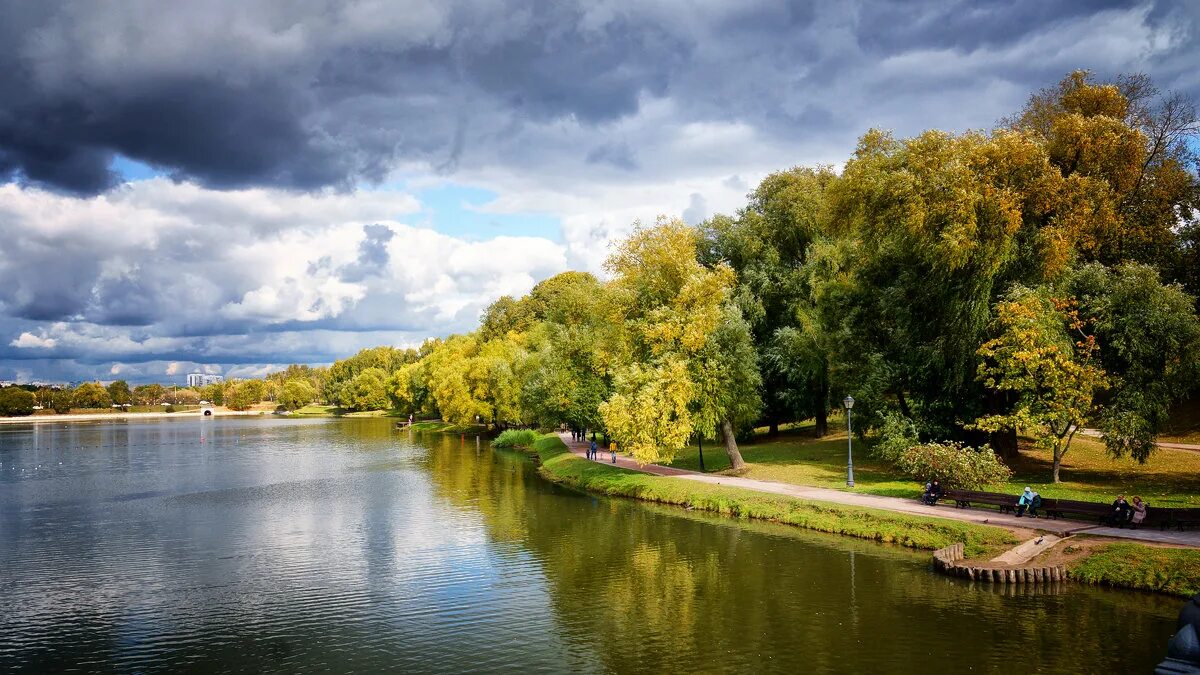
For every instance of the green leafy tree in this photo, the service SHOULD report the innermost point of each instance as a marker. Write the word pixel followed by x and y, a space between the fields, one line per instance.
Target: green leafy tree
pixel 149 394
pixel 296 393
pixel 16 402
pixel 367 391
pixel 119 392
pixel 62 400
pixel 674 308
pixel 92 395
pixel 1043 356
pixel 1149 338
pixel 768 244
pixel 242 395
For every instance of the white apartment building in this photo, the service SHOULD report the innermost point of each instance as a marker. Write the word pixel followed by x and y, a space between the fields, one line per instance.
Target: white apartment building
pixel 203 379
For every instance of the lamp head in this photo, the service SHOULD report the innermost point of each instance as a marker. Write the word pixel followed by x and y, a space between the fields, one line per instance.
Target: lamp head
pixel 848 402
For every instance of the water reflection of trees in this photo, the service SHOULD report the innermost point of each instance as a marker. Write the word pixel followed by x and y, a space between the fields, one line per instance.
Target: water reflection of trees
pixel 653 589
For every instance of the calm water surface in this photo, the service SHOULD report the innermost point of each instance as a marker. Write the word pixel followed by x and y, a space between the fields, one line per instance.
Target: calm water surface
pixel 344 545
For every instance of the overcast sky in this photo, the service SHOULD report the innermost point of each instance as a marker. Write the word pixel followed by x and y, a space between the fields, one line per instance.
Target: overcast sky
pixel 232 186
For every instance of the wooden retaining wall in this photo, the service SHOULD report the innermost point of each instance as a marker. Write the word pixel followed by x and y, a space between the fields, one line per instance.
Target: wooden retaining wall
pixel 946 560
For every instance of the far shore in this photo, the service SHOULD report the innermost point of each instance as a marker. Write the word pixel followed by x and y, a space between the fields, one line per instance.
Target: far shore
pixel 126 417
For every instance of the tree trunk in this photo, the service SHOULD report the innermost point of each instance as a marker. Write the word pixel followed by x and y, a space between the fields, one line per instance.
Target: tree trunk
pixel 821 428
pixel 773 427
pixel 903 402
pixel 1004 443
pixel 731 448
pixel 1057 465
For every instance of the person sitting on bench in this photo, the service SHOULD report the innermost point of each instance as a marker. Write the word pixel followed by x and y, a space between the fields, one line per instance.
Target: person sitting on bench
pixel 1025 501
pixel 1121 512
pixel 935 492
pixel 1139 511
pixel 1034 504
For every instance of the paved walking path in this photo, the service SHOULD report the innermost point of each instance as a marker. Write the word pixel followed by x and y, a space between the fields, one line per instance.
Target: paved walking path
pixel 896 504
pixel 1191 447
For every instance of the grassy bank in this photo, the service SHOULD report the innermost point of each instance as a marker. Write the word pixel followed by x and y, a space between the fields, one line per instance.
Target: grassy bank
pixel 1151 568
pixel 1170 478
pixel 559 465
pixel 439 426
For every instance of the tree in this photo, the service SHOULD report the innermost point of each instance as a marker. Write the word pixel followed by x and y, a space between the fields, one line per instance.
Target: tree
pixel 768 244
pixel 1132 146
pixel 149 394
pixel 242 395
pixel 1149 337
pixel 674 307
pixel 367 391
pixel 15 402
pixel 1046 358
pixel 342 372
pixel 119 392
pixel 92 395
pixel 296 394
pixel 726 383
pixel 62 400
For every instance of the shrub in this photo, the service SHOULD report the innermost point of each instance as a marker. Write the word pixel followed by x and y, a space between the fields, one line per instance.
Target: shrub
pixel 515 438
pixel 954 464
pixel 897 433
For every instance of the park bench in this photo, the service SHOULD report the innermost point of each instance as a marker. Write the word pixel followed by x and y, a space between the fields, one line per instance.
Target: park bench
pixel 1059 508
pixel 965 498
pixel 1177 518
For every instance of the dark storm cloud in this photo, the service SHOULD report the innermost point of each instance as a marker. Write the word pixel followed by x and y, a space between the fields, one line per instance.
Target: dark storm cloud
pixel 333 93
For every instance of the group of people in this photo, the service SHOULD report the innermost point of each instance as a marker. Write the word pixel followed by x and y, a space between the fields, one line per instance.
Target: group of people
pixel 1123 512
pixel 1128 513
pixel 591 450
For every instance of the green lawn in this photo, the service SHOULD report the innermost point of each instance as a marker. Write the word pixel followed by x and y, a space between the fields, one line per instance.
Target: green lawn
pixel 1170 478
pixel 907 530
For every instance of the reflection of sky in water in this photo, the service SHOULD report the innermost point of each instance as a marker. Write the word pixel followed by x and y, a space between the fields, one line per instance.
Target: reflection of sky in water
pixel 270 544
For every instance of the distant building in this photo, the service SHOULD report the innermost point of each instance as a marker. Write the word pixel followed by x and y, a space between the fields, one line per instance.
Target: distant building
pixel 202 379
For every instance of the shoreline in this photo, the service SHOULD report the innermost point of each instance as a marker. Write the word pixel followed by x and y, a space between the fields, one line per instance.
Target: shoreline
pixel 124 417
pixel 1175 571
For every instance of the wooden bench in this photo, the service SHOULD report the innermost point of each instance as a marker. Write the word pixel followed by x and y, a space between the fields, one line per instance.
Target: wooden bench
pixel 965 498
pixel 1177 518
pixel 1058 508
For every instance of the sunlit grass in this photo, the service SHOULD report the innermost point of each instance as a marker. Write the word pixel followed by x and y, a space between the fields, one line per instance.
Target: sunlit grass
pixel 1170 478
pixel 913 531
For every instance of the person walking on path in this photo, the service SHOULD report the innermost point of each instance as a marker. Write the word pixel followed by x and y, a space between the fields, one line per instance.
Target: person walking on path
pixel 592 450
pixel 612 447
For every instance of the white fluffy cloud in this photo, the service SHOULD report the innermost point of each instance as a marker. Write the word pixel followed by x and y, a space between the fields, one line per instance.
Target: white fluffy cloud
pixel 168 271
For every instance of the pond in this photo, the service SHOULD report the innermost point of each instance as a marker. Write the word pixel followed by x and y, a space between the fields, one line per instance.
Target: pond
pixel 283 545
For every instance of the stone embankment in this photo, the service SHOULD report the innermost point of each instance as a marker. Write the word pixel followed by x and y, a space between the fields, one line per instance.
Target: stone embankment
pixel 948 561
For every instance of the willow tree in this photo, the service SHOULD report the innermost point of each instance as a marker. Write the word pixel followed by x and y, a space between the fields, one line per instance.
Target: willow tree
pixel 768 244
pixel 691 364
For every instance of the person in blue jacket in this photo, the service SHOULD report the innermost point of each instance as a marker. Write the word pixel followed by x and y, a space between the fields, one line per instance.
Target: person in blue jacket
pixel 1025 501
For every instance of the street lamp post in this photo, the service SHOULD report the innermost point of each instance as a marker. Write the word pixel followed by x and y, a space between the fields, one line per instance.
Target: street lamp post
pixel 849 403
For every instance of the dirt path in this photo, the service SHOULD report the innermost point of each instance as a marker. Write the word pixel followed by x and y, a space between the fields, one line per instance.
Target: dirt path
pixel 895 504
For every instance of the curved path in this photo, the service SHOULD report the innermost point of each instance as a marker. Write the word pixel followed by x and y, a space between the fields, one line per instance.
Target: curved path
pixel 896 504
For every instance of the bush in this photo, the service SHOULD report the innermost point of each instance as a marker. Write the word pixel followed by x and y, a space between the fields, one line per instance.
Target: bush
pixel 897 434
pixel 955 465
pixel 515 438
